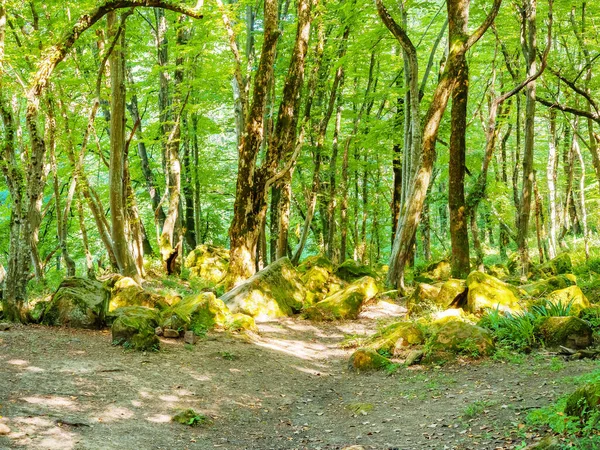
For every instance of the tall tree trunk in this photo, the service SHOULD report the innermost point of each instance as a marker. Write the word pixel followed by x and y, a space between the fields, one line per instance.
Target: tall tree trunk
pixel 551 169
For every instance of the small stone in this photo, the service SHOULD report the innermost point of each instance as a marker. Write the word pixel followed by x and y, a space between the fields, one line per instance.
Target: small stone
pixel 414 357
pixel 170 333
pixel 189 337
pixel 4 430
pixel 158 331
pixel 4 326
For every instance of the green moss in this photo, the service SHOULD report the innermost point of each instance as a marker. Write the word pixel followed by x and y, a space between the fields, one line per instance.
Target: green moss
pixel 36 313
pixel 395 337
pixel 316 280
pixel 571 295
pixel 570 332
pixel 560 265
pixel 487 292
pixel 448 292
pixel 134 327
pixel 423 298
pixel 584 402
pixel 458 337
pixel 126 292
pixel 543 287
pixel 345 304
pixel 350 271
pixel 440 270
pixel 240 322
pixel 320 261
pixel 367 359
pixel 275 291
pixel 189 417
pixel 208 262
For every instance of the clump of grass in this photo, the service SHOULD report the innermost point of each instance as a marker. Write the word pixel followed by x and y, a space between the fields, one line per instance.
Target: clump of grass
pixel 189 417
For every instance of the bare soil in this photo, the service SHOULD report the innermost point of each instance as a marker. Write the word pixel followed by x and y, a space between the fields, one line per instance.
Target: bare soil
pixel 287 388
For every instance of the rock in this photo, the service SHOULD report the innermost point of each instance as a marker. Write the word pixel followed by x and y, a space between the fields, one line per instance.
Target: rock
pixel 486 292
pixel 5 326
pixel 135 327
pixel 158 331
pixel 320 261
pixel 367 359
pixel 441 317
pixel 351 271
pixel 499 271
pixel 170 333
pixel 414 357
pixel 584 402
pixel 78 303
pixel 424 298
pixel 320 283
pixel 448 292
pixel 543 287
pixel 345 304
pixel 36 311
pixel 354 447
pixel 458 337
pixel 571 295
pixel 571 332
pixel 190 337
pixel 4 430
pixel 559 265
pixel 547 443
pixel 275 291
pixel 240 322
pixel 208 262
pixel 395 337
pixel 438 271
pixel 126 292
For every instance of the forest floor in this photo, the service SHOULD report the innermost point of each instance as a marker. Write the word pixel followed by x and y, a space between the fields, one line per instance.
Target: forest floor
pixel 288 387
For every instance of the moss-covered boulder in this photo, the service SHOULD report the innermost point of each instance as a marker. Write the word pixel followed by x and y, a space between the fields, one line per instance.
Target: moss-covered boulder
pixel 208 262
pixel 345 304
pixel 203 312
pixel 275 291
pixel 569 296
pixel 126 292
pixel 395 338
pixel 448 292
pixel 367 359
pixel 423 298
pixel 487 292
pixel 439 271
pixel 315 261
pixel 351 270
pixel 569 331
pixel 560 265
pixel 35 312
pixel 134 327
pixel 548 285
pixel 320 282
pixel 458 337
pixel 499 271
pixel 78 303
pixel 584 402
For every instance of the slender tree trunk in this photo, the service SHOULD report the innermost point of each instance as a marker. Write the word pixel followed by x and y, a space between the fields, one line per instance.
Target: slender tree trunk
pixel 551 169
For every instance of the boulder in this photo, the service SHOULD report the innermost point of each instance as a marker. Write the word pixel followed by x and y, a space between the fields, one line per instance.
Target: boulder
pixel 499 271
pixel 78 303
pixel 126 292
pixel 367 359
pixel 345 304
pixel 560 265
pixel 36 311
pixel 448 292
pixel 424 298
pixel 135 327
pixel 486 292
pixel 351 271
pixel 208 262
pixel 320 261
pixel 320 283
pixel 395 337
pixel 438 271
pixel 571 295
pixel 458 337
pixel 545 286
pixel 584 403
pixel 275 291
pixel 569 331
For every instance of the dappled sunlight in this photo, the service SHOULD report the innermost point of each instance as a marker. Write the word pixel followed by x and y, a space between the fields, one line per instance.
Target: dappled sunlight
pixel 169 398
pixel 51 402
pixel 40 433
pixel 56 438
pixel 159 418
pixel 18 362
pixel 382 309
pixel 115 413
pixel 310 371
pixel 300 349
pixel 34 369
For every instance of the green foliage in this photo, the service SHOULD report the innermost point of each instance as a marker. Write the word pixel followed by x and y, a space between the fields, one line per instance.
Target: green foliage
pixel 190 417
pixel 476 408
pixel 552 309
pixel 516 331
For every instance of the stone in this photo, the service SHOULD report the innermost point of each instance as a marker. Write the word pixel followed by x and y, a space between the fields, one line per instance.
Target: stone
pixel 548 285
pixel 487 292
pixel 170 333
pixel 458 337
pixel 571 332
pixel 78 303
pixel 275 291
pixel 560 265
pixel 158 331
pixel 584 401
pixel 209 263
pixel 345 304
pixel 499 271
pixel 422 299
pixel 320 283
pixel 5 326
pixel 395 338
pixel 190 337
pixel 571 295
pixel 36 311
pixel 367 359
pixel 320 261
pixel 351 270
pixel 126 292
pixel 448 292
pixel 437 271
pixel 414 357
pixel 4 430
pixel 135 327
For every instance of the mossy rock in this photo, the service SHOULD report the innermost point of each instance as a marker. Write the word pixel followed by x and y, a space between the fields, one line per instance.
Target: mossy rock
pixel 240 322
pixel 320 283
pixel 423 298
pixel 396 337
pixel 134 327
pixel 320 261
pixel 571 295
pixel 367 359
pixel 569 331
pixel 548 285
pixel 78 303
pixel 345 304
pixel 126 292
pixel 448 292
pixel 560 265
pixel 275 291
pixel 499 271
pixel 487 292
pixel 351 270
pixel 36 311
pixel 584 402
pixel 439 271
pixel 458 337
pixel 208 262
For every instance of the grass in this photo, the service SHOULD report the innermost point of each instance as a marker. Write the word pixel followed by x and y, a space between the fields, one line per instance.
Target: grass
pixel 476 408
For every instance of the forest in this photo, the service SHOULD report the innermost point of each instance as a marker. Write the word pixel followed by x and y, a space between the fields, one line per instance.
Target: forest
pixel 392 203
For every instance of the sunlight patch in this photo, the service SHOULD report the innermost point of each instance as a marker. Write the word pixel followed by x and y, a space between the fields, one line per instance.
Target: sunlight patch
pixel 18 362
pixel 53 402
pixel 115 413
pixel 159 418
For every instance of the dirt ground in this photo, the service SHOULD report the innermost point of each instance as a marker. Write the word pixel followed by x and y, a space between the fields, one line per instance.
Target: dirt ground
pixel 287 388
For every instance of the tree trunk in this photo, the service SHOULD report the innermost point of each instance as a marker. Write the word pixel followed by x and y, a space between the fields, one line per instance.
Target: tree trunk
pixel 551 169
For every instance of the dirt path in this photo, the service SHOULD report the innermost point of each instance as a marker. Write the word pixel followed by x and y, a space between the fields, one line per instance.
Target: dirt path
pixel 285 389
